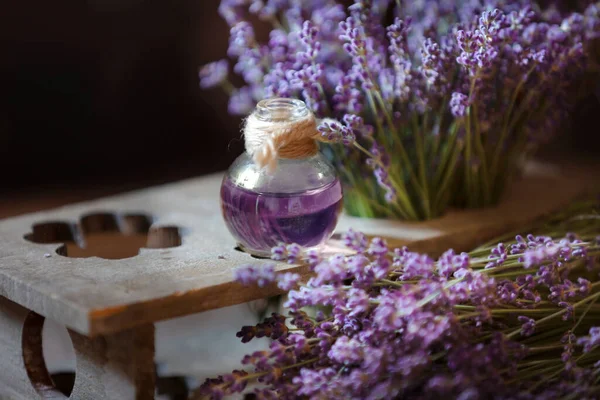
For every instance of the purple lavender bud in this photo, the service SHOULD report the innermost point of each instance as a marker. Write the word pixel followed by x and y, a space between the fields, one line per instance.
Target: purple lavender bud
pixel 299 343
pixel 485 57
pixel 347 97
pixel 556 34
pixel 357 302
pixel 333 131
pixel 382 177
pixel 346 351
pixel 287 281
pixel 250 274
pixel 356 241
pixel 311 381
pixel 592 21
pixel 308 36
pixel 449 262
pixel 357 264
pixel 332 271
pixel 247 333
pixel 278 253
pixel 528 325
pixel 246 275
pixel 294 252
pixel 458 104
pixel 539 56
pixel 584 286
pixel 433 63
pixel 353 121
pixel 591 341
pixel 230 11
pixel 390 195
pixel 490 23
pixel 573 24
pixel 378 247
pixel 241 101
pixel 213 74
pixel 417 266
pixel 569 307
pixel 313 257
pixel 536 256
pixel 241 38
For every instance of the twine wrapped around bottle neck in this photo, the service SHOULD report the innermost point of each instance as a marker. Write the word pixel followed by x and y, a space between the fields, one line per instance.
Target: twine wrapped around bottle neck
pixel 280 128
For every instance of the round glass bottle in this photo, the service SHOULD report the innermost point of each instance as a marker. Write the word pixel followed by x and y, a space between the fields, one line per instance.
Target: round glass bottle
pixel 298 202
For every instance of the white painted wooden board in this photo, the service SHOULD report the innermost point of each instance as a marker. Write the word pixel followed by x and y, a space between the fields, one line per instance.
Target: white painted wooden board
pixel 96 296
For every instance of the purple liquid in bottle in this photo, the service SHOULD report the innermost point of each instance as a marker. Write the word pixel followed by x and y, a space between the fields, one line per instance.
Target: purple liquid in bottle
pixel 260 221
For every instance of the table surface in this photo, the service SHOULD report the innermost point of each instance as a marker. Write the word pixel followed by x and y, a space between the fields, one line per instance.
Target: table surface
pixel 95 295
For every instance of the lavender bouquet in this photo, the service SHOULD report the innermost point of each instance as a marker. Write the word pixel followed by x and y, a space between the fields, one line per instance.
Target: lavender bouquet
pixel 426 104
pixel 517 318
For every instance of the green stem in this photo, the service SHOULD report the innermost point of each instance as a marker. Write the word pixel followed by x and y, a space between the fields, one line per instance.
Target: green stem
pixel 557 314
pixel 449 150
pixel 468 315
pixel 467 165
pixel 228 87
pixel 400 190
pixel 482 158
pixel 435 294
pixel 401 149
pixel 547 378
pixel 448 179
pixel 504 132
pixel 538 349
pixel 468 183
pixel 534 373
pixel 584 313
pixel 422 168
pixel 439 124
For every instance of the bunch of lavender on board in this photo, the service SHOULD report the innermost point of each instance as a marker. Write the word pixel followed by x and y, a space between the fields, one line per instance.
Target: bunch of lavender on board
pixel 426 104
pixel 517 318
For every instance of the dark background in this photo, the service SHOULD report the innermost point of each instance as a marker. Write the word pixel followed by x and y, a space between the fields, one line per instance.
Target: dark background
pixel 101 96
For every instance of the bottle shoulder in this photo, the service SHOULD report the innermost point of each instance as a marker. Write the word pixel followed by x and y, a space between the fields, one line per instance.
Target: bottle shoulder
pixel 290 176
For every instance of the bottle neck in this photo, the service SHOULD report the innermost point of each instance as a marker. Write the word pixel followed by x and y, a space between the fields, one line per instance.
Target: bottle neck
pixel 281 110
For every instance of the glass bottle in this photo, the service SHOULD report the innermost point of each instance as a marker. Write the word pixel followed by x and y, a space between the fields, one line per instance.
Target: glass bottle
pixel 299 202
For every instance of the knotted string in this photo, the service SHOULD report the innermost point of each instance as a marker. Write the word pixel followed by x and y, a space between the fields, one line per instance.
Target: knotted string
pixel 266 141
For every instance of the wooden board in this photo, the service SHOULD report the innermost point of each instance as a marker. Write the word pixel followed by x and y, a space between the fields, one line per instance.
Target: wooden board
pixel 96 295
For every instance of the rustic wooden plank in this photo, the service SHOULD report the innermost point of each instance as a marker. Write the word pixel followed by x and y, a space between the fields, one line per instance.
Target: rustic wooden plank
pixel 97 296
pixel 23 375
pixel 117 366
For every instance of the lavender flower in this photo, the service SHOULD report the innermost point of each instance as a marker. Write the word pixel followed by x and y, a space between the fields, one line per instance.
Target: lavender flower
pixel 290 253
pixel 241 39
pixel 259 275
pixel 397 34
pixel 213 74
pixel 355 240
pixel 287 281
pixel 434 65
pixel 477 82
pixel 333 131
pixel 241 101
pixel 528 327
pixel 348 97
pixel 459 104
pixel 394 323
pixel 591 341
